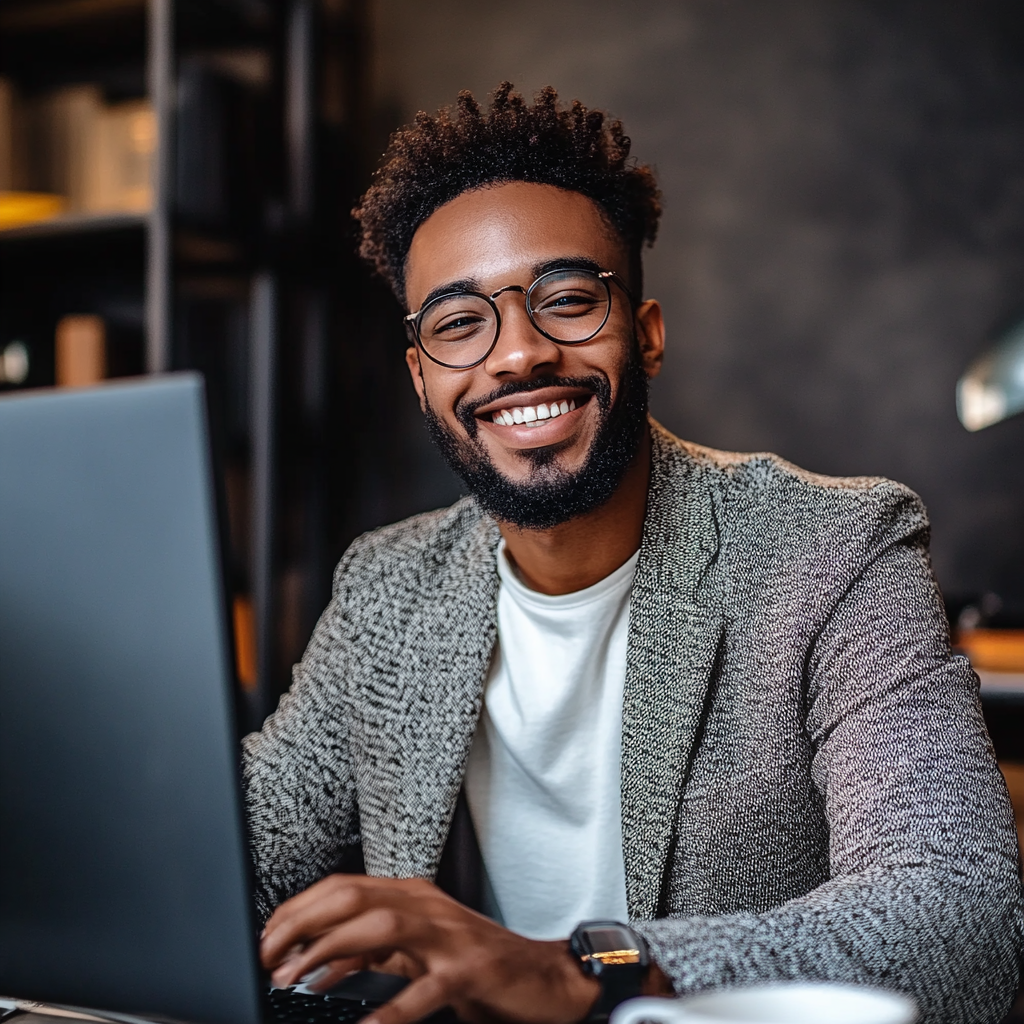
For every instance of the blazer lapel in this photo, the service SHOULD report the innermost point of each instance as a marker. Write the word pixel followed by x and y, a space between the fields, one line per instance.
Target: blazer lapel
pixel 674 631
pixel 442 667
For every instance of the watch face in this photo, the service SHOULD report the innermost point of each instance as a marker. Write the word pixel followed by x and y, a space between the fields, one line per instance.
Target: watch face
pixel 610 943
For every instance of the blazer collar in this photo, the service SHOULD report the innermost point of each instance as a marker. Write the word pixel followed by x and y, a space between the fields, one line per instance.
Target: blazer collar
pixel 675 627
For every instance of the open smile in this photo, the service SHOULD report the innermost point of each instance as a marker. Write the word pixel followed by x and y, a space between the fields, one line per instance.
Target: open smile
pixel 545 408
pixel 533 415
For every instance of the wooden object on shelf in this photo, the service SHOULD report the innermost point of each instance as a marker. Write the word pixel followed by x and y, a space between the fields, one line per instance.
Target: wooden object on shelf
pixel 118 172
pixel 245 643
pixel 993 650
pixel 97 155
pixel 81 351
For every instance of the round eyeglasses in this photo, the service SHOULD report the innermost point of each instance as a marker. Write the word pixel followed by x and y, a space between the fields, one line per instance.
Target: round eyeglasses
pixel 460 329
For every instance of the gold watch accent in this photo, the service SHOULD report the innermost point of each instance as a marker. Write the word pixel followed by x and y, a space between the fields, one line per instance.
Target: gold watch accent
pixel 616 956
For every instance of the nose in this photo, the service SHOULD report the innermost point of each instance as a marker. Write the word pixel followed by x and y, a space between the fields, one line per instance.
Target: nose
pixel 521 349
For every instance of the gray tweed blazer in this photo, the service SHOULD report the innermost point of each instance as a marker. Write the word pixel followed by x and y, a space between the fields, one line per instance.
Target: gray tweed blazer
pixel 808 789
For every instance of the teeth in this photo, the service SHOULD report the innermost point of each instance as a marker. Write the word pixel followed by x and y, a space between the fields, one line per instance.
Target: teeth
pixel 534 415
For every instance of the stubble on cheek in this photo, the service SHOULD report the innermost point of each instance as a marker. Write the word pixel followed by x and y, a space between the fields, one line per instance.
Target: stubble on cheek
pixel 468 446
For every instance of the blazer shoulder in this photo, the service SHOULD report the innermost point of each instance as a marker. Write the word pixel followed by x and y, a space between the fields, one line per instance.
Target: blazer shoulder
pixel 762 491
pixel 414 552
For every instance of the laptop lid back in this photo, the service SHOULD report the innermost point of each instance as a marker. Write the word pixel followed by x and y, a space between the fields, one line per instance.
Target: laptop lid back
pixel 123 867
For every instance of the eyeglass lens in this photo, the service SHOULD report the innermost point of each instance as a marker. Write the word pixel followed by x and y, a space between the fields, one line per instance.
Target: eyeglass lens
pixel 569 306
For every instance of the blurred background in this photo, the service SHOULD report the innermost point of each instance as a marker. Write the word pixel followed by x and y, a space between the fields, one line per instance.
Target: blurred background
pixel 843 234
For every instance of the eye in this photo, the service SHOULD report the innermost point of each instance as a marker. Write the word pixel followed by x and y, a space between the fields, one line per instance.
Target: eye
pixel 458 326
pixel 568 303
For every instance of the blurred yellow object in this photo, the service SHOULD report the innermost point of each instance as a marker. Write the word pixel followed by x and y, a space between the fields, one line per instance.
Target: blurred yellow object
pixel 20 208
pixel 81 351
pixel 994 650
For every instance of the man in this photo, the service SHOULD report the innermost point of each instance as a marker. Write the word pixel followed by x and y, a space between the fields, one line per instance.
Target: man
pixel 706 695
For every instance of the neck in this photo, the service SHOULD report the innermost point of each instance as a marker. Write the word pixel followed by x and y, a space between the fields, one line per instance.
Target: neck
pixel 585 550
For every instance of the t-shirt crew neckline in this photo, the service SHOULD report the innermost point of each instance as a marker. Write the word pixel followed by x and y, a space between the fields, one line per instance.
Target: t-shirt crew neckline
pixel 525 595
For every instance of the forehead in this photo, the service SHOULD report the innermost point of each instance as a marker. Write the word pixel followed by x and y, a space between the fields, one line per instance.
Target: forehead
pixel 496 235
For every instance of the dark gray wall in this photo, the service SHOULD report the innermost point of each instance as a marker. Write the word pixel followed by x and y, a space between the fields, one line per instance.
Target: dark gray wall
pixel 844 220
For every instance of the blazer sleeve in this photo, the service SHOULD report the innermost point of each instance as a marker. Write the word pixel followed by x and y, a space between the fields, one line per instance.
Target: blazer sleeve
pixel 924 892
pixel 297 774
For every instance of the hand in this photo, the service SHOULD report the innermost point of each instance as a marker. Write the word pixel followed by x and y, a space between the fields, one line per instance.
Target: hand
pixel 455 957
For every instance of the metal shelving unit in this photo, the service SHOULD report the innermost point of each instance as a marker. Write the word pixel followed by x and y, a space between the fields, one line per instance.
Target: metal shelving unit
pixel 232 271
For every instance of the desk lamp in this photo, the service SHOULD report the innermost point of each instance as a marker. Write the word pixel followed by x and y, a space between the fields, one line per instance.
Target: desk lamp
pixel 992 389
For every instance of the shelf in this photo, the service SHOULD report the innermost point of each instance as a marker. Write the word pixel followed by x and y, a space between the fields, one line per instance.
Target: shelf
pixel 1000 686
pixel 45 44
pixel 44 16
pixel 76 224
pixel 63 14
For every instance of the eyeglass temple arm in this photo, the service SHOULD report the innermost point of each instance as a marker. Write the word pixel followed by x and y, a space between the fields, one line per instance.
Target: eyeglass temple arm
pixel 622 284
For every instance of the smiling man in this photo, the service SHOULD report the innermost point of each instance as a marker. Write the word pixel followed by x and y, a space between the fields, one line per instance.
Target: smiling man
pixel 665 718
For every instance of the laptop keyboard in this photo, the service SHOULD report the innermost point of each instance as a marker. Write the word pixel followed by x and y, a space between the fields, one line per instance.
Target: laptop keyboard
pixel 285 1006
pixel 350 1000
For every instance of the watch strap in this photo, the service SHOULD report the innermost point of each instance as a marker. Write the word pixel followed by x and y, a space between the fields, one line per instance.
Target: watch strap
pixel 619 983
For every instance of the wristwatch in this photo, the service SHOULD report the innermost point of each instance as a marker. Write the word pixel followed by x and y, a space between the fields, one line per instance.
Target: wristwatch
pixel 617 957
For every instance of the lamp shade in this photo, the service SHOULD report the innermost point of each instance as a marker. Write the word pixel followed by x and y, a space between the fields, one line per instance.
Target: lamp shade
pixel 992 388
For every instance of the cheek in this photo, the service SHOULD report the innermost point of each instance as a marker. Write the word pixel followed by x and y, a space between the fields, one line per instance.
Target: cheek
pixel 612 361
pixel 441 392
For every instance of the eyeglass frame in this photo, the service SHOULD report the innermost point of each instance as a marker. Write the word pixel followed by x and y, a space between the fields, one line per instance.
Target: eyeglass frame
pixel 412 320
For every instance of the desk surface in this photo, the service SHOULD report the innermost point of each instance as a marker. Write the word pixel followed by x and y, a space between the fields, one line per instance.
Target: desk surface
pixel 1001 684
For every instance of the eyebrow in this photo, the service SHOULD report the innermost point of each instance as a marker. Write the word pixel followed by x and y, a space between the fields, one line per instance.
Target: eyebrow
pixel 565 263
pixel 467 284
pixel 471 284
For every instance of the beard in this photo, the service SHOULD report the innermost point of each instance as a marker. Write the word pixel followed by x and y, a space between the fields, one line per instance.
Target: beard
pixel 552 495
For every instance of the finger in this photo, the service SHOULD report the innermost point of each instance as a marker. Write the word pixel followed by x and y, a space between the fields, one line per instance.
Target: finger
pixel 299 927
pixel 396 888
pixel 301 903
pixel 307 913
pixel 413 1003
pixel 379 932
pixel 328 975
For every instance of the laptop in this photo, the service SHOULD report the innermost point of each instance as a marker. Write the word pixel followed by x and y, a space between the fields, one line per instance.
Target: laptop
pixel 124 868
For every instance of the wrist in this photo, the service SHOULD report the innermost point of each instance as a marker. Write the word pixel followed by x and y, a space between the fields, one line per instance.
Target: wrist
pixel 656 983
pixel 616 957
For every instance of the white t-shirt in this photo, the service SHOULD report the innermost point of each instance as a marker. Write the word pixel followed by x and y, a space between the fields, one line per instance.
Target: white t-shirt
pixel 543 776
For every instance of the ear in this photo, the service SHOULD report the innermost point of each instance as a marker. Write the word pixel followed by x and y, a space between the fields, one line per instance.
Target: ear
pixel 412 360
pixel 651 336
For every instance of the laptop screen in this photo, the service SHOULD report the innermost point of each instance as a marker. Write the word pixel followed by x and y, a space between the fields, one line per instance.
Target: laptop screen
pixel 123 866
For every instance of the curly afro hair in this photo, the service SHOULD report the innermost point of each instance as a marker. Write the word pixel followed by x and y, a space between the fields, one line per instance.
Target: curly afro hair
pixel 439 157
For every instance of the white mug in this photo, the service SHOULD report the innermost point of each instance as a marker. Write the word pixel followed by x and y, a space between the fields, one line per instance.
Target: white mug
pixel 783 1003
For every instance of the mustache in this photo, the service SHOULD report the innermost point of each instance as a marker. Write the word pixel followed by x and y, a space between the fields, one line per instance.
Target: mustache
pixel 599 385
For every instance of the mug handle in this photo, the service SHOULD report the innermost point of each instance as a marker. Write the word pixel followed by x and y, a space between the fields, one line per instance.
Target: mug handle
pixel 646 1008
